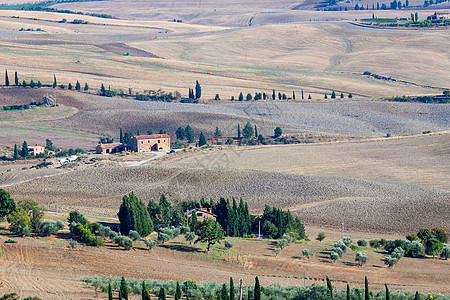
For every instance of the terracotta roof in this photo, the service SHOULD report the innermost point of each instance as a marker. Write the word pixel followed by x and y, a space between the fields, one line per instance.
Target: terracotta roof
pixel 109 146
pixel 152 136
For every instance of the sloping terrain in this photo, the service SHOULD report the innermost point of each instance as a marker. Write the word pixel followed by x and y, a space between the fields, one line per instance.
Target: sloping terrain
pixel 363 204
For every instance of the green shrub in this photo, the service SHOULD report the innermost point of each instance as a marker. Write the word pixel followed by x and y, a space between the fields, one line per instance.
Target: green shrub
pixel 347 240
pixel 134 235
pixel 362 243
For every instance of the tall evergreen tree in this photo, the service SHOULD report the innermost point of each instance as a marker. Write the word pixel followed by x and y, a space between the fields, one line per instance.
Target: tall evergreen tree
pixel 218 133
pixel 110 295
pixel 348 292
pixel 78 86
pixel 16 152
pixel 224 293
pixel 189 133
pixel 241 96
pixel 273 94
pixel 121 136
pixel 54 81
pixel 303 96
pixel 247 132
pixel 69 86
pixel 388 294
pixel 366 289
pixel 257 292
pixel 16 79
pixel 133 215
pixel 24 152
pixel 416 296
pixel 162 294
pixel 256 132
pixel 333 95
pixel 231 289
pixel 202 139
pixel 124 289
pixel 330 287
pixel 198 90
pixel 86 86
pixel 178 293
pixel 180 133
pixel 145 293
pixel 293 95
pixel 6 78
pixel 239 132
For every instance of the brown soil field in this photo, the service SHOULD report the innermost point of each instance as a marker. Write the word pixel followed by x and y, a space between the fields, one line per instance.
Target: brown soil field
pixel 420 160
pixel 370 206
pixel 47 268
pixel 380 187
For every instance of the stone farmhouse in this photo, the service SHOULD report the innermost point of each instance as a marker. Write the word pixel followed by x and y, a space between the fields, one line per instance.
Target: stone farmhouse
pixel 202 213
pixel 36 150
pixel 440 15
pixel 149 143
pixel 140 143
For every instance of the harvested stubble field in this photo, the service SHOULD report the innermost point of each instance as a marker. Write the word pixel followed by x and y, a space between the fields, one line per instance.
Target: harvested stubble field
pixel 102 116
pixel 317 57
pixel 22 268
pixel 365 205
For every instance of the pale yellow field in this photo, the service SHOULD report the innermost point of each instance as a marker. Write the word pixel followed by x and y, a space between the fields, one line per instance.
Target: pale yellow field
pixel 316 57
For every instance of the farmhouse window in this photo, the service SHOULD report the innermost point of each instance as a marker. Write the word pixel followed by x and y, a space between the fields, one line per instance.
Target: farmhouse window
pixel 199 214
pixel 159 141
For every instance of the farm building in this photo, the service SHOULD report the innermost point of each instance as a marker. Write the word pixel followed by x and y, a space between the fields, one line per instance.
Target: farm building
pixel 148 143
pixel 110 148
pixel 202 213
pixel 35 150
pixel 440 15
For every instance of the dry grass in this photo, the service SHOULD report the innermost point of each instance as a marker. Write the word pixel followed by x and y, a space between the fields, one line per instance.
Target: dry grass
pixel 420 160
pixel 315 57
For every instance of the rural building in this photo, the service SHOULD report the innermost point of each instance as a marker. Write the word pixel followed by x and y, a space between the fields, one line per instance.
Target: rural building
pixel 35 150
pixel 202 213
pixel 441 15
pixel 110 148
pixel 148 143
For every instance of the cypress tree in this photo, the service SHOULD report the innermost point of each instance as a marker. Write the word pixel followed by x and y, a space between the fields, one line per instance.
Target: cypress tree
pixel 198 90
pixel 309 97
pixel 366 289
pixel 239 132
pixel 342 95
pixel 241 97
pixel 78 86
pixel 325 97
pixel 16 152
pixel 303 96
pixel 202 139
pixel 178 292
pixel 416 296
pixel 348 292
pixel 231 289
pixel 388 294
pixel 162 294
pixel 273 94
pixel 293 95
pixel 133 215
pixel 54 81
pixel 24 152
pixel 256 132
pixel 224 294
pixel 257 292
pixel 145 294
pixel 189 134
pixel 123 289
pixel 86 87
pixel 330 287
pixel 70 86
pixel 333 95
pixel 16 79
pixel 121 136
pixel 6 78
pixel 24 83
pixel 110 295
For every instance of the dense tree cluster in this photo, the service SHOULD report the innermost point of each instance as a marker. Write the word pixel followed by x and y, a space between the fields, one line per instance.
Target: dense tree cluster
pixel 133 215
pixel 277 222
